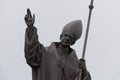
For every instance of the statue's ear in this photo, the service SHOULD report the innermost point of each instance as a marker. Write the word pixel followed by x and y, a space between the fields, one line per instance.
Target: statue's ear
pixel 73 43
pixel 60 36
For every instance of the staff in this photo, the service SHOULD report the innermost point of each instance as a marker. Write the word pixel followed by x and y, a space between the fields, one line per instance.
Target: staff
pixel 87 29
pixel 86 35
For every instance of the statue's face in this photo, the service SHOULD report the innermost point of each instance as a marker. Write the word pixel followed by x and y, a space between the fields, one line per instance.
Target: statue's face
pixel 67 39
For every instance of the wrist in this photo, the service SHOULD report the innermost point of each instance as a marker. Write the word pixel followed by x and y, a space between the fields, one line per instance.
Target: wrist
pixel 84 73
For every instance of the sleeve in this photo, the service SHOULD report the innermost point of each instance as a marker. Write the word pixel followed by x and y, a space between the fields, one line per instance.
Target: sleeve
pixel 33 49
pixel 84 76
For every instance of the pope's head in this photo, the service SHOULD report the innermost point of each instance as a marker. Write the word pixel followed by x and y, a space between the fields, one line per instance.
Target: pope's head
pixel 71 33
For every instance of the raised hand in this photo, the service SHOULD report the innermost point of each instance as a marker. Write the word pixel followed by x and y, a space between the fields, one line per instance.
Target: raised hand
pixel 29 20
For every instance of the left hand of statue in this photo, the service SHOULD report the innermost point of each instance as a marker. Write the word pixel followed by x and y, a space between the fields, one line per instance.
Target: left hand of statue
pixel 82 65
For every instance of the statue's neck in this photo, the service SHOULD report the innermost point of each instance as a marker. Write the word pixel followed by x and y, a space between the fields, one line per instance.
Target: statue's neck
pixel 63 47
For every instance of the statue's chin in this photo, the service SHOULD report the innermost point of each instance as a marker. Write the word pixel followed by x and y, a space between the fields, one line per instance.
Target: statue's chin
pixel 65 44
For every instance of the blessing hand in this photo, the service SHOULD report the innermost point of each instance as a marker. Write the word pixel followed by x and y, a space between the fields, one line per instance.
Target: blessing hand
pixel 29 20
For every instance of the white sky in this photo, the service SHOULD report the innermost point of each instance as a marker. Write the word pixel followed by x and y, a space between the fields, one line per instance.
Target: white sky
pixel 102 55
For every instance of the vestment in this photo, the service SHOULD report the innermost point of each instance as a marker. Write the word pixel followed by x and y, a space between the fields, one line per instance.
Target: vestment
pixel 45 61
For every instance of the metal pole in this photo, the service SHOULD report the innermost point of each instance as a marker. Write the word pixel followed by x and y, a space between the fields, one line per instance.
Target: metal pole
pixel 86 35
pixel 87 29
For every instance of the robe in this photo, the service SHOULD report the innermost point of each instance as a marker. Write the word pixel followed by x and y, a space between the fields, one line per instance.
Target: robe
pixel 45 62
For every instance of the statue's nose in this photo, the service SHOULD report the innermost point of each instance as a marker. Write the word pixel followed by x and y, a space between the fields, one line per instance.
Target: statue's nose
pixel 67 38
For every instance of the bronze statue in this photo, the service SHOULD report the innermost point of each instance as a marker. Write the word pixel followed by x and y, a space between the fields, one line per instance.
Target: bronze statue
pixel 57 61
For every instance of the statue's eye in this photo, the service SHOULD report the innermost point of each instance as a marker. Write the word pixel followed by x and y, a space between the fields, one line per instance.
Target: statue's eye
pixel 65 35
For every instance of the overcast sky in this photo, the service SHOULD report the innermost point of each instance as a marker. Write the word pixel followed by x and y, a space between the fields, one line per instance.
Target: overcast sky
pixel 102 53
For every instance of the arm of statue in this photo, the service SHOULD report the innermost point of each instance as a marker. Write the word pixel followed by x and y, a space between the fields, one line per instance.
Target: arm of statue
pixel 33 48
pixel 85 74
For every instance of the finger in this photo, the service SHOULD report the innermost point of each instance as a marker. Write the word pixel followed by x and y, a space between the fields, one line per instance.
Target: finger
pixel 29 13
pixel 33 18
pixel 26 17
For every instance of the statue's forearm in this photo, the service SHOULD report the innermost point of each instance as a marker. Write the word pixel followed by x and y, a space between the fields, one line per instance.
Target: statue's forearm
pixel 32 47
pixel 31 35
